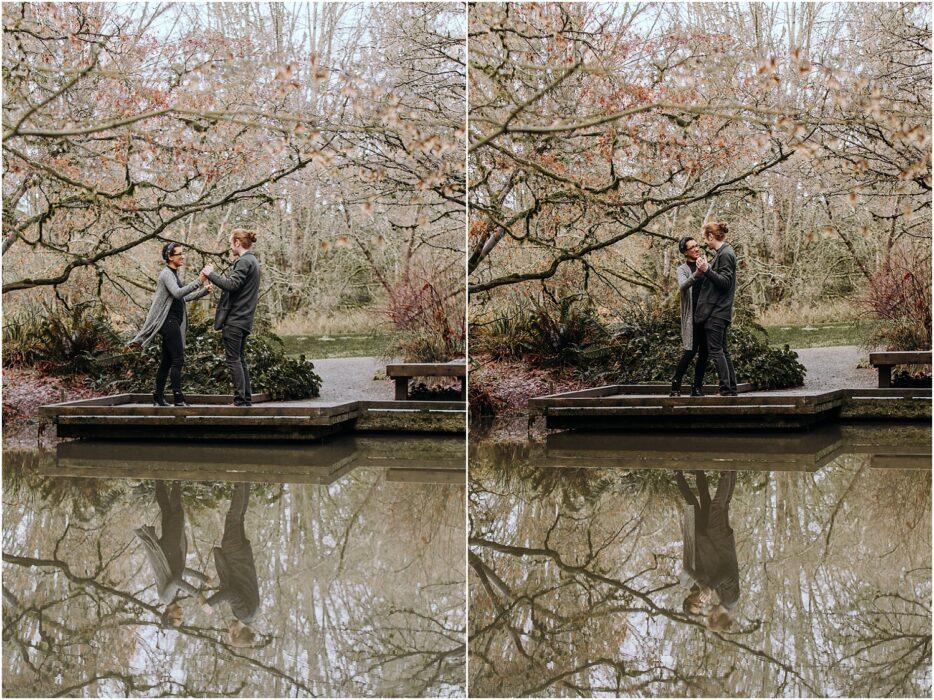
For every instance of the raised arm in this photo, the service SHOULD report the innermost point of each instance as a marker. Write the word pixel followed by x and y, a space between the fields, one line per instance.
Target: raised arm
pixel 171 285
pixel 238 275
pixel 686 278
pixel 723 278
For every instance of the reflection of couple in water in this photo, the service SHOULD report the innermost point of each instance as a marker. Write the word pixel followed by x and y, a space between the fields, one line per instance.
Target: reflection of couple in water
pixel 710 550
pixel 233 561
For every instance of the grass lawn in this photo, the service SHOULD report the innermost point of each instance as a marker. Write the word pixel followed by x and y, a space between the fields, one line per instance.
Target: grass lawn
pixel 318 347
pixel 820 335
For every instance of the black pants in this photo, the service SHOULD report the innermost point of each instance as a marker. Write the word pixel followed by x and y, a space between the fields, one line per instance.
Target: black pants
pixel 234 344
pixel 709 514
pixel 716 330
pixel 698 348
pixel 172 537
pixel 173 357
pixel 234 536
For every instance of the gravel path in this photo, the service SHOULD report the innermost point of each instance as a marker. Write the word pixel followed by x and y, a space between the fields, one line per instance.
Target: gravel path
pixel 351 378
pixel 834 368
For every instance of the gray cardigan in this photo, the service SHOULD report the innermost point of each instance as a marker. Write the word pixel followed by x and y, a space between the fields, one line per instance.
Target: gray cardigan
pixel 686 280
pixel 167 289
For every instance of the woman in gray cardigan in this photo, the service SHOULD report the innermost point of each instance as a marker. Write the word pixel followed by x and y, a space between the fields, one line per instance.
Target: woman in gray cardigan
pixel 167 318
pixel 693 338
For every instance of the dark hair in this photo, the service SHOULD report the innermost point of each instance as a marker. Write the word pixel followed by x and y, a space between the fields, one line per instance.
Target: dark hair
pixel 683 243
pixel 168 248
pixel 246 237
pixel 717 229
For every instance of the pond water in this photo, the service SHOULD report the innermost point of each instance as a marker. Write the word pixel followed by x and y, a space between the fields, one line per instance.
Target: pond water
pixel 335 570
pixel 813 554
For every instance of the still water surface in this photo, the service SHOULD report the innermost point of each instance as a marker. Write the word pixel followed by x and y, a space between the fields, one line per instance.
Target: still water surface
pixel 816 549
pixel 334 570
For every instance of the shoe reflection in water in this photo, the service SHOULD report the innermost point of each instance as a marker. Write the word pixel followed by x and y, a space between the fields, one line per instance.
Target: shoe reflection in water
pixel 710 550
pixel 236 570
pixel 169 553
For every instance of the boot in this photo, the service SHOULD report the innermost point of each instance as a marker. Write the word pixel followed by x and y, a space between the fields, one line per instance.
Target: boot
pixel 697 391
pixel 158 399
pixel 179 398
pixel 675 389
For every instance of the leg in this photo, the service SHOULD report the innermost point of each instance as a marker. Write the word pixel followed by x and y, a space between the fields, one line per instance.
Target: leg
pixel 715 329
pixel 172 341
pixel 703 490
pixel 463 383
pixel 162 496
pixel 234 534
pixel 166 511
pixel 725 489
pixel 233 344
pixel 700 367
pixel 686 490
pixel 729 360
pixel 164 364
pixel 885 376
pixel 720 512
pixel 247 389
pixel 402 388
pixel 682 367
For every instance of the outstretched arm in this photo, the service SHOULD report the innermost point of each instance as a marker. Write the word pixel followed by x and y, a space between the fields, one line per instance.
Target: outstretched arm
pixel 238 275
pixel 171 285
pixel 194 296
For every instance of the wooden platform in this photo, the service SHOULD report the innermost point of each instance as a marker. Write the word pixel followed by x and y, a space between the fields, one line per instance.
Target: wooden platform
pixel 614 407
pixel 908 447
pixel 132 416
pixel 421 458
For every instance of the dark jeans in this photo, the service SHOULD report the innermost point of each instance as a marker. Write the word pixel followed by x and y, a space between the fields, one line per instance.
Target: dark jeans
pixel 699 348
pixel 234 536
pixel 173 357
pixel 173 524
pixel 234 344
pixel 709 514
pixel 716 329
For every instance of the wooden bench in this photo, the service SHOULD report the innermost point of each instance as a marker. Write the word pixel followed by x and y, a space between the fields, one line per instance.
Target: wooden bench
pixel 401 373
pixel 884 361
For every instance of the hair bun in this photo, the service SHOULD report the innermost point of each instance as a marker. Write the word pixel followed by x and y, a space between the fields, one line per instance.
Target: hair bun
pixel 252 237
pixel 724 227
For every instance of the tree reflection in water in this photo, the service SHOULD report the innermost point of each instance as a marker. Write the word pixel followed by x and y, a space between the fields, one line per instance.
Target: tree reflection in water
pixel 360 590
pixel 574 580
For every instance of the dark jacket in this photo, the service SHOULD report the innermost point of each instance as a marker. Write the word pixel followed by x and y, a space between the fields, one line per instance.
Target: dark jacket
pixel 716 296
pixel 236 570
pixel 240 294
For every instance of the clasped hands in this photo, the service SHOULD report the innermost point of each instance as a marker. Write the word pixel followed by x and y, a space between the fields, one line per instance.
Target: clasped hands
pixel 203 276
pixel 702 265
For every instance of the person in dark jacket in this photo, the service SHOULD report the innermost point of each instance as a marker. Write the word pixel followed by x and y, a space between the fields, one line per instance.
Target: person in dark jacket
pixel 168 319
pixel 236 570
pixel 693 339
pixel 710 548
pixel 235 311
pixel 715 302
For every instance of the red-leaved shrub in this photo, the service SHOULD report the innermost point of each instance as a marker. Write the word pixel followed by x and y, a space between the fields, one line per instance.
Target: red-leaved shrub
pixel 899 296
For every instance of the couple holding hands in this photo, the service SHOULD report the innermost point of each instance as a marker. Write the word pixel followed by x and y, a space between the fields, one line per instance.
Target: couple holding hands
pixel 233 561
pixel 707 292
pixel 167 317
